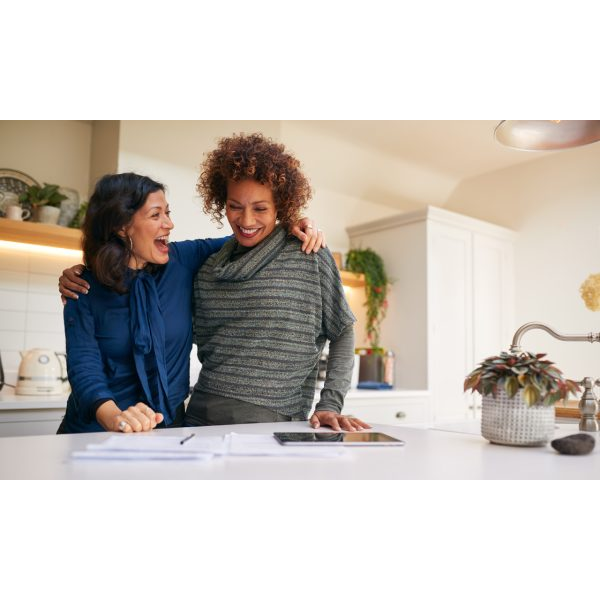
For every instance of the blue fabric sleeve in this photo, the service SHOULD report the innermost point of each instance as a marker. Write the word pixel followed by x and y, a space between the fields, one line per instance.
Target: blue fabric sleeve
pixel 84 360
pixel 193 253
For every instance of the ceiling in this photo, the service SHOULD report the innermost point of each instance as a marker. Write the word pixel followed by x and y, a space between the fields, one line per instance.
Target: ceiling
pixel 456 149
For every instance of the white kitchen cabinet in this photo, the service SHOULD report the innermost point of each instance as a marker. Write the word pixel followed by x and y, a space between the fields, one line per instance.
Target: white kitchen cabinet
pixel 30 415
pixel 389 407
pixel 30 422
pixel 451 302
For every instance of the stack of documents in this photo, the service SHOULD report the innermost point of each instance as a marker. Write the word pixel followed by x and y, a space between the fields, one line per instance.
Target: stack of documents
pixel 148 447
pixel 168 447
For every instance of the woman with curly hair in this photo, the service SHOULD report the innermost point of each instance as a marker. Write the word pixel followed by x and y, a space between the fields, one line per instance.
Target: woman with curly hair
pixel 263 311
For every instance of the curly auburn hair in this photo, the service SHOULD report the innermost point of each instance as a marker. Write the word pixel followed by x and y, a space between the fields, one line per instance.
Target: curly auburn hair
pixel 253 156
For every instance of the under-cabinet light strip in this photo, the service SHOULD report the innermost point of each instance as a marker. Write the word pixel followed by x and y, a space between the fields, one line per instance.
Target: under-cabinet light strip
pixel 40 249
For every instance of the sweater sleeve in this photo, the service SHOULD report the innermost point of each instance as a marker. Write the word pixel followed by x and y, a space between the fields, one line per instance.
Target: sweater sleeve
pixel 335 312
pixel 84 361
pixel 337 323
pixel 339 372
pixel 193 253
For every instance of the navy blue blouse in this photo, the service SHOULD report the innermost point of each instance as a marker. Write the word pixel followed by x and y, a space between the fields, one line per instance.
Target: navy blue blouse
pixel 134 347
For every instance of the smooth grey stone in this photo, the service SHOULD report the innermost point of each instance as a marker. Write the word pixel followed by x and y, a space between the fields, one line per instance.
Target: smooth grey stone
pixel 578 443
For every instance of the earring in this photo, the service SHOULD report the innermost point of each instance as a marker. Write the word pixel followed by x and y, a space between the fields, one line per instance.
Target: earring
pixel 130 244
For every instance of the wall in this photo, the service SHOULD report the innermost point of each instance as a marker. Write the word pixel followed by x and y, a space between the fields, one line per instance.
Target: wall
pixel 55 152
pixel 553 204
pixel 104 151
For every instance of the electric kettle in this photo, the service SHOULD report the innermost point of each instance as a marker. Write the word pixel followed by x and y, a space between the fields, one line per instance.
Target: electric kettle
pixel 42 372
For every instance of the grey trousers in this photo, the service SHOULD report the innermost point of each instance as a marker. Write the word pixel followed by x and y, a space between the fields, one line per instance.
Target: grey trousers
pixel 208 409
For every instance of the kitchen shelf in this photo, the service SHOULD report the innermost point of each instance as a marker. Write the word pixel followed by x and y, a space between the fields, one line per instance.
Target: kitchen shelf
pixel 352 279
pixel 42 234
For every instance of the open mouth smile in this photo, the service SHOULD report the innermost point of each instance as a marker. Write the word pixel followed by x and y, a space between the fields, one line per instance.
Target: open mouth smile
pixel 249 233
pixel 162 243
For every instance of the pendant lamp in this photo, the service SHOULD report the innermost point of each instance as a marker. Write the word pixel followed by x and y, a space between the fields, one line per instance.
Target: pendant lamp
pixel 547 135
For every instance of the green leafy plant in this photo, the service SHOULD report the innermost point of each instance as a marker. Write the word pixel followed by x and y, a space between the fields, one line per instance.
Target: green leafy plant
pixel 77 221
pixel 541 381
pixel 369 263
pixel 42 196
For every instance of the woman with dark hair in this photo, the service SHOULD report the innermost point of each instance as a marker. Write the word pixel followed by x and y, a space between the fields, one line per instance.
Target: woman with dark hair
pixel 263 311
pixel 129 339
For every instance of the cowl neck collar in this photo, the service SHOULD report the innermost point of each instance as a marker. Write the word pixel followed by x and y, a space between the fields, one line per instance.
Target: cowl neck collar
pixel 247 265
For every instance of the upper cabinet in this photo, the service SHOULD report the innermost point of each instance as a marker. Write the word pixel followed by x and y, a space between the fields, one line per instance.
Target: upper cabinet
pixel 451 302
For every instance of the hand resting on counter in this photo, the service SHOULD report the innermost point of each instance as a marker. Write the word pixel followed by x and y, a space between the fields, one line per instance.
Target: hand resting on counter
pixel 135 419
pixel 337 422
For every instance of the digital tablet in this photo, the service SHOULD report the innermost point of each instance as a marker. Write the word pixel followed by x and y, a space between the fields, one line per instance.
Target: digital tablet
pixel 345 438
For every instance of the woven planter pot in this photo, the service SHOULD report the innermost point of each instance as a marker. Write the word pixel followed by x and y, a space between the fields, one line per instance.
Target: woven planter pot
pixel 510 421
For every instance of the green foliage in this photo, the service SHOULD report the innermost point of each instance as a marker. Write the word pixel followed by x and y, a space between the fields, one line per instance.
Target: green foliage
pixel 40 196
pixel 77 221
pixel 371 265
pixel 540 380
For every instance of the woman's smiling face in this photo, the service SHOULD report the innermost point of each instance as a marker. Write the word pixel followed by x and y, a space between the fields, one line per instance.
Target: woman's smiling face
pixel 149 232
pixel 251 211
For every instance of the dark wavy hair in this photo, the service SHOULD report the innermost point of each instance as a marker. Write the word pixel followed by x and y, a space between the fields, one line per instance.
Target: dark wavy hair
pixel 115 200
pixel 253 156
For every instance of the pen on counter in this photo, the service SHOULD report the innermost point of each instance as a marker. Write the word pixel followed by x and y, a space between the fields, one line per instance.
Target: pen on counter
pixel 185 439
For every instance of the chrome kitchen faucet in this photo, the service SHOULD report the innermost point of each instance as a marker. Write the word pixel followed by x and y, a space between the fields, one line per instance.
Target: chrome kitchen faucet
pixel 588 405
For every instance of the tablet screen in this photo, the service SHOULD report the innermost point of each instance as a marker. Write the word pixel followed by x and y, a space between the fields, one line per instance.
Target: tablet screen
pixel 350 438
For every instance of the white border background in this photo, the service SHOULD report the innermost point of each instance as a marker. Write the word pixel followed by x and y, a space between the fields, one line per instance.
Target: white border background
pixel 309 60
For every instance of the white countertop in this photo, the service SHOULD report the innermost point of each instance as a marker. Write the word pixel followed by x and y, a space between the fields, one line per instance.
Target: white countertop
pixel 11 401
pixel 428 454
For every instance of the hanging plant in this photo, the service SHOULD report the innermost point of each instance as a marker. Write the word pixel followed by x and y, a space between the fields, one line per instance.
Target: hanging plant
pixel 369 263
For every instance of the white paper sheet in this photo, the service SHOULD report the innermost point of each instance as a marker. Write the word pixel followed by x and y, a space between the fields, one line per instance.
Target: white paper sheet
pixel 155 447
pixel 137 455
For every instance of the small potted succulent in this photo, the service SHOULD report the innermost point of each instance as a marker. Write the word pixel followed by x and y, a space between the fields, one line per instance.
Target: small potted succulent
pixel 519 392
pixel 44 202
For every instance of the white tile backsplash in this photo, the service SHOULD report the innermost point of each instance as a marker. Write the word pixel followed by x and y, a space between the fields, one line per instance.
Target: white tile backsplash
pixel 12 320
pixel 14 260
pixel 44 322
pixel 45 303
pixel 13 280
pixel 30 306
pixel 40 284
pixel 12 340
pixel 50 265
pixel 10 362
pixel 38 339
pixel 12 300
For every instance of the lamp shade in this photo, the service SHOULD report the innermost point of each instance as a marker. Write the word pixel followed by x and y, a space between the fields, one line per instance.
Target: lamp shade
pixel 547 135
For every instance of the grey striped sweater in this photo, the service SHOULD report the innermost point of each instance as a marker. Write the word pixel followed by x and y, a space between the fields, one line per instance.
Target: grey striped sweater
pixel 261 321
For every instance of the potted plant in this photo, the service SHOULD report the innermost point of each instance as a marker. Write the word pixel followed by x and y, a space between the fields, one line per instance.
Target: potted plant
pixel 44 202
pixel 369 263
pixel 78 219
pixel 519 392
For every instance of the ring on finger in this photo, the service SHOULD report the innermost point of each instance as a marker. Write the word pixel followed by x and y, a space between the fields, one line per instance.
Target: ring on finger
pixel 122 425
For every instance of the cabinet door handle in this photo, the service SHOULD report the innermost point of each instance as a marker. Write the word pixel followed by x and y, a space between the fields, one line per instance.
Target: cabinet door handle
pixel 400 415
